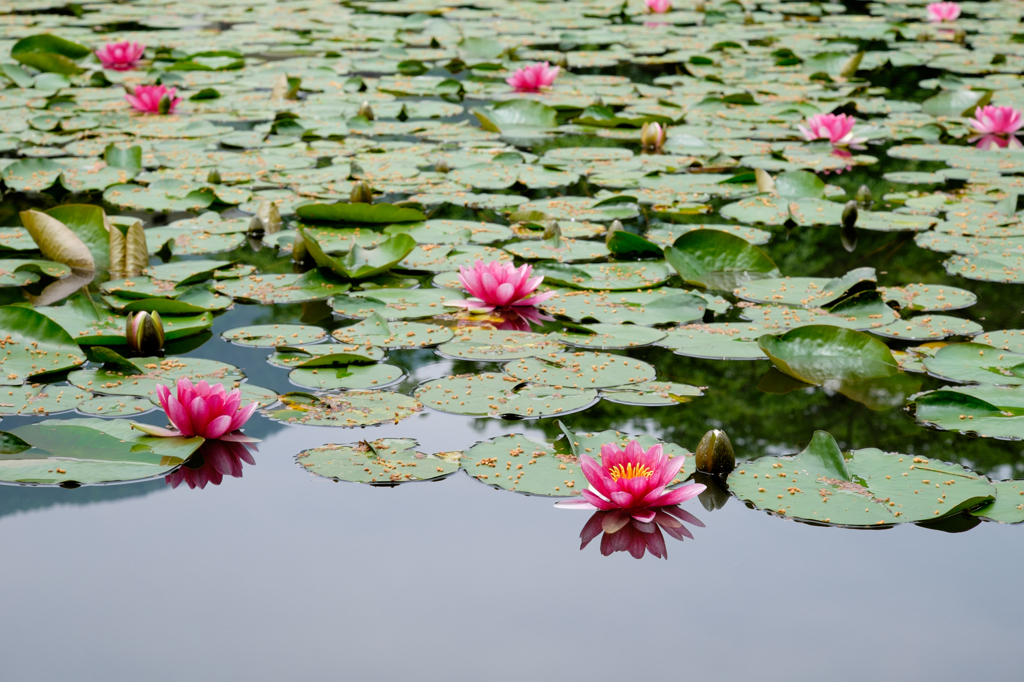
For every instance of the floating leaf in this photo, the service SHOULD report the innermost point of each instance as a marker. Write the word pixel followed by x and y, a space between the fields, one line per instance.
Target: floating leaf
pixel 581 369
pixel 718 260
pixel 497 395
pixel 31 345
pixel 819 353
pixel 352 408
pixel 267 335
pixel 387 461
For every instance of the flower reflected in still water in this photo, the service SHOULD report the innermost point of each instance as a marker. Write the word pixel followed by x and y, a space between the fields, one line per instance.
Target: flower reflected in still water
pixel 620 532
pixel 214 460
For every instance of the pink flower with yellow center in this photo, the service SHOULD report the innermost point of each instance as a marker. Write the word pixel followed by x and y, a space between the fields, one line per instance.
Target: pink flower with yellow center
pixel 201 410
pixel 658 6
pixel 633 480
pixel 532 78
pixel 836 128
pixel 123 56
pixel 943 11
pixel 499 285
pixel 147 98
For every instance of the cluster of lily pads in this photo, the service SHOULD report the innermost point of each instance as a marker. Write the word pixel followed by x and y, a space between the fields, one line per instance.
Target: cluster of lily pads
pixel 359 154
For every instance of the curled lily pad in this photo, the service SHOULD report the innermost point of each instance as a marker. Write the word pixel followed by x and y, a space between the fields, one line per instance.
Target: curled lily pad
pixel 859 488
pixel 497 395
pixel 581 369
pixel 269 335
pixel 31 344
pixel 974 362
pixel 376 331
pixel 86 451
pixel 351 408
pixel 986 411
pixel 491 345
pixel 346 376
pixel 386 461
pixel 818 353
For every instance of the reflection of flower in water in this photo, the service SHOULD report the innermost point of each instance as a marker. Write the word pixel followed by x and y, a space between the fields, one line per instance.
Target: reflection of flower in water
pixel 842 154
pixel 216 459
pixel 519 319
pixel 623 533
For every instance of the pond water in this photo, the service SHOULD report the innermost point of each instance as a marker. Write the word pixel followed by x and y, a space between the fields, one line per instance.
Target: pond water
pixel 845 308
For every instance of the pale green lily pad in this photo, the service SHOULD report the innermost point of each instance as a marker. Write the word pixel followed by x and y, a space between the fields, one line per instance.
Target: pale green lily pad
pixel 1009 504
pixel 928 327
pixel 40 399
pixel 498 395
pixel 807 292
pixel 716 341
pixel 20 273
pixel 115 406
pixel 859 488
pixel 272 335
pixel 347 376
pixel 492 345
pixel 1007 339
pixel 658 306
pixel 609 336
pixel 348 409
pixel 386 461
pixel 653 394
pixel 282 288
pixel 581 369
pixel 929 297
pixel 31 344
pixel 606 276
pixel 375 331
pixel 985 411
pixel 154 371
pixel 978 363
pixel 325 355
pixel 395 304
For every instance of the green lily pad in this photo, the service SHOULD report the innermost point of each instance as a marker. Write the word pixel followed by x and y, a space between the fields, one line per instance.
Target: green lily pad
pixel 498 395
pixel 653 393
pixel 928 327
pixel 859 488
pixel 31 344
pixel 718 260
pixel 491 345
pixel 815 354
pixel 270 335
pixel 89 451
pixel 386 461
pixel 346 376
pixel 581 369
pixel 985 411
pixel 376 331
pixel 606 276
pixel 807 292
pixel 928 297
pixel 395 304
pixel 115 406
pixel 1009 503
pixel 609 336
pixel 348 409
pixel 658 306
pixel 716 341
pixel 282 288
pixel 325 355
pixel 1007 339
pixel 20 273
pixel 154 371
pixel 40 399
pixel 377 214
pixel 977 363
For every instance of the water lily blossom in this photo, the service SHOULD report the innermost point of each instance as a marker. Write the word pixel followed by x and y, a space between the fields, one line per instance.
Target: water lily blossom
pixel 836 128
pixel 200 410
pixel 658 6
pixel 996 127
pixel 499 285
pixel 532 78
pixel 620 532
pixel 123 56
pixel 943 11
pixel 150 99
pixel 633 480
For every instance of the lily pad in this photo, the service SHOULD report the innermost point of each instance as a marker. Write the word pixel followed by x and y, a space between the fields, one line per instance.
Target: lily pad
pixel 270 335
pixel 327 377
pixel 609 336
pixel 490 345
pixel 31 344
pixel 718 260
pixel 818 353
pixel 581 369
pixel 386 461
pixel 376 331
pixel 348 409
pixel 498 395
pixel 658 306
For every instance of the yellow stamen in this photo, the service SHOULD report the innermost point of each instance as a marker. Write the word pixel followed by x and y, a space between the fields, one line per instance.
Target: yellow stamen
pixel 629 471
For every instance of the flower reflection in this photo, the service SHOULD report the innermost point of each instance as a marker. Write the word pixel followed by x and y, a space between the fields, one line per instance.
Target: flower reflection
pixel 214 460
pixel 519 319
pixel 620 532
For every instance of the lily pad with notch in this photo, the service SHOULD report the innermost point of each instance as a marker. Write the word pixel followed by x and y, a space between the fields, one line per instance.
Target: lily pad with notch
pixel 386 461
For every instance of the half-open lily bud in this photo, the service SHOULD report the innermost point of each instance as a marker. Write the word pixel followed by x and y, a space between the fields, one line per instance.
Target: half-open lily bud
pixel 552 230
pixel 616 226
pixel 714 453
pixel 267 218
pixel 213 177
pixel 442 166
pixel 361 193
pixel 145 331
pixel 652 136
pixel 365 111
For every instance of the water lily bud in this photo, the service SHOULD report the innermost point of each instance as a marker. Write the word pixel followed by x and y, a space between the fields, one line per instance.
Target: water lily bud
pixel 748 18
pixel 361 193
pixel 616 226
pixel 552 230
pixel 442 166
pixel 299 251
pixel 365 111
pixel 561 60
pixel 214 177
pixel 699 7
pixel 652 136
pixel 714 453
pixel 850 214
pixel 164 107
pixel 960 36
pixel 864 197
pixel 145 331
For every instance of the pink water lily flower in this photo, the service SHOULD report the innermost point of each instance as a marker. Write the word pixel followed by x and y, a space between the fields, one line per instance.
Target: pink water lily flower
pixel 499 285
pixel 992 120
pixel 532 78
pixel 123 56
pixel 620 532
pixel 943 11
pixel 632 480
pixel 200 410
pixel 836 128
pixel 147 98
pixel 658 6
pixel 219 459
